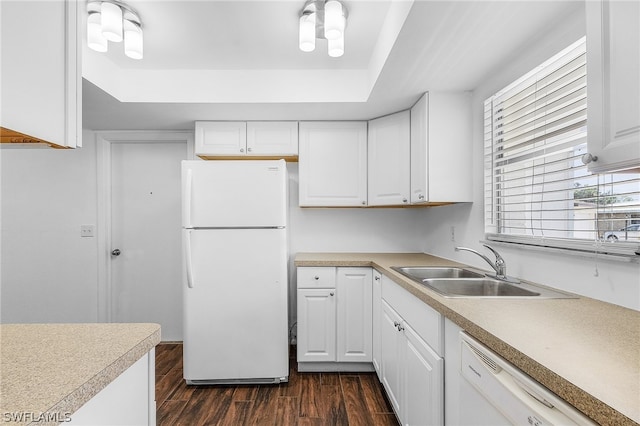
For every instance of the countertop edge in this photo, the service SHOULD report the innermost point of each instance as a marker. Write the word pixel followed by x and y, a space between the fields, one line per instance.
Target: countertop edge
pixel 591 406
pixel 76 399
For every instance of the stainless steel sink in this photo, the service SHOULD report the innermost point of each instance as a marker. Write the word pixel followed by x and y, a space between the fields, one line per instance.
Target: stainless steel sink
pixel 422 272
pixel 460 282
pixel 477 287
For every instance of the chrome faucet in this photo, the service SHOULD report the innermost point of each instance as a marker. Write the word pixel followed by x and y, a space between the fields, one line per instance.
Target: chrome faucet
pixel 500 266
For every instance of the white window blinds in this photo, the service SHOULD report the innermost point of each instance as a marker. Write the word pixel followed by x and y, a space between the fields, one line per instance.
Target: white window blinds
pixel 537 190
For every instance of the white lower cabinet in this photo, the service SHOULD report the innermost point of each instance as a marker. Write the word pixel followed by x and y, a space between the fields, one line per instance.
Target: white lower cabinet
pixel 334 321
pixel 412 372
pixel 316 325
pixel 376 309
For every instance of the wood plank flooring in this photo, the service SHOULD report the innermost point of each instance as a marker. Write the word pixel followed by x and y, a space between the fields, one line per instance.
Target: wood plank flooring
pixel 308 399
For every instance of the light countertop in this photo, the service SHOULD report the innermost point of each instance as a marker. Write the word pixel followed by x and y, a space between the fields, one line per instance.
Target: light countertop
pixel 584 350
pixel 56 368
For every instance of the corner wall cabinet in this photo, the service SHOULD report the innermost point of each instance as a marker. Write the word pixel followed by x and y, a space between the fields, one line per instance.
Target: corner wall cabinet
pixel 41 87
pixel 389 160
pixel 246 140
pixel 613 86
pixel 441 147
pixel 334 319
pixel 333 164
pixel 412 341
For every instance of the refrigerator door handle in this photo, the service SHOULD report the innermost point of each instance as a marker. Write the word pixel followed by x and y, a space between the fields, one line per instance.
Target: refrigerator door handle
pixel 187 253
pixel 188 195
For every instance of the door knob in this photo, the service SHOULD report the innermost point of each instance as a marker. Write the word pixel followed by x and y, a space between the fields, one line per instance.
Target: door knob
pixel 115 252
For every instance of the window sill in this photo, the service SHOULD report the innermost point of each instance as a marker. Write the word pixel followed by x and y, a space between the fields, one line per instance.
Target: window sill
pixel 571 251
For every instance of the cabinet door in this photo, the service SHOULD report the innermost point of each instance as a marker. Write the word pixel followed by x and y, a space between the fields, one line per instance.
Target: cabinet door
pixel 441 148
pixel 41 89
pixel 423 388
pixel 221 137
pixel 354 314
pixel 419 152
pixel 316 325
pixel 613 84
pixel 392 342
pixel 389 160
pixel 376 347
pixel 272 138
pixel 333 163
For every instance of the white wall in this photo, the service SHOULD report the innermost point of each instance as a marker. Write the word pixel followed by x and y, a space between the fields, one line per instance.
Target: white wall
pixel 48 272
pixel 613 281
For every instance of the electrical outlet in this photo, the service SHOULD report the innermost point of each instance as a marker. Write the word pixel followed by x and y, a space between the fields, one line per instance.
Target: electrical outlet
pixel 453 233
pixel 87 230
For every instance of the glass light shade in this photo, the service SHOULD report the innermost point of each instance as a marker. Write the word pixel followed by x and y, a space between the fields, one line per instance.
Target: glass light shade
pixel 308 32
pixel 95 39
pixel 336 47
pixel 133 42
pixel 333 20
pixel 111 21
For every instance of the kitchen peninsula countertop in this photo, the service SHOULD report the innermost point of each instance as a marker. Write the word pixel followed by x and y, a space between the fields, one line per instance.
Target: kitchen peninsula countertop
pixel 53 369
pixel 584 350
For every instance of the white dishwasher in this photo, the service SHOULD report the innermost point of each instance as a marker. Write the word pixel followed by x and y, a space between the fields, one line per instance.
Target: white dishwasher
pixel 494 392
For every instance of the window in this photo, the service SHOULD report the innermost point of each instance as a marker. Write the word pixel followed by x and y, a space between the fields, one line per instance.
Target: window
pixel 537 189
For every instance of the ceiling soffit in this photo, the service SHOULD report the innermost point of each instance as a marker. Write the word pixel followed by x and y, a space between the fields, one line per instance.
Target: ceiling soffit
pixel 199 78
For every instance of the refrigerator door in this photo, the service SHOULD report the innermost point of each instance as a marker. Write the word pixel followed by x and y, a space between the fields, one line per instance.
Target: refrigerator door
pixel 235 324
pixel 236 194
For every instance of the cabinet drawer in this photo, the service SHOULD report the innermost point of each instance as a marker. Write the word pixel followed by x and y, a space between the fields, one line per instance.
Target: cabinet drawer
pixel 320 277
pixel 426 321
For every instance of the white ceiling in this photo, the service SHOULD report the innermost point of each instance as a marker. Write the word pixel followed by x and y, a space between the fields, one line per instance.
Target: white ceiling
pixel 226 60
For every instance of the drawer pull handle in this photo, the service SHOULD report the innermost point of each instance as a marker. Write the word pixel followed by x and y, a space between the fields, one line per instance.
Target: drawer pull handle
pixel 316 278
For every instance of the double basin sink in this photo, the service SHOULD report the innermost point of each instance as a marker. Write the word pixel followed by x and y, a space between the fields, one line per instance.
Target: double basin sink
pixel 460 282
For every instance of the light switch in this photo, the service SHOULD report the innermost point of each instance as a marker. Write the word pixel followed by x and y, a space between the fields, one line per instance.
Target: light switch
pixel 87 230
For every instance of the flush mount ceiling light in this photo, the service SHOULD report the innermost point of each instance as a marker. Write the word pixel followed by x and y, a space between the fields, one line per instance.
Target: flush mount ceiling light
pixel 323 19
pixel 114 21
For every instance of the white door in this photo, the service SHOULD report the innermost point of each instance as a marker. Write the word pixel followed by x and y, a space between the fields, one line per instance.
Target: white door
pixel 393 343
pixel 333 163
pixel 146 276
pixel 316 324
pixel 376 348
pixel 272 138
pixel 235 302
pixel 221 137
pixel 389 160
pixel 423 388
pixel 354 314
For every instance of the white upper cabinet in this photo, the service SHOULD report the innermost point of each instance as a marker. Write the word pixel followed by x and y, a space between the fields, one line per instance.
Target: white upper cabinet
pixel 271 137
pixel 613 84
pixel 221 137
pixel 333 163
pixel 237 139
pixel 389 160
pixel 441 148
pixel 41 92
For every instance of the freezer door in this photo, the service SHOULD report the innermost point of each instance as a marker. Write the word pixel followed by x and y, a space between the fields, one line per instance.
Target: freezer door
pixel 221 194
pixel 235 305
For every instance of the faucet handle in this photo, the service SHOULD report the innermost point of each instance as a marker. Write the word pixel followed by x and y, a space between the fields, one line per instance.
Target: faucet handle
pixel 499 258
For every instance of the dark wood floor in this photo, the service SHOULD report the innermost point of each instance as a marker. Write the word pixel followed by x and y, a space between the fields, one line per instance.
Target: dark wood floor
pixel 307 399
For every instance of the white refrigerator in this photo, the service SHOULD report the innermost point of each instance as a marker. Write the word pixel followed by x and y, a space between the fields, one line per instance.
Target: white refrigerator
pixel 235 252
